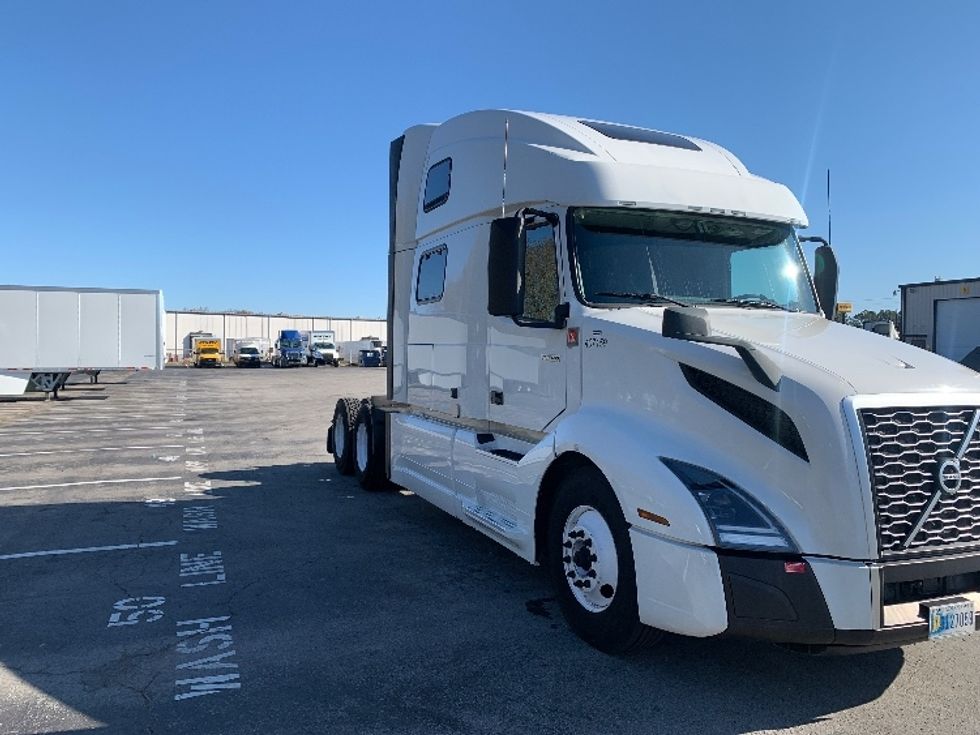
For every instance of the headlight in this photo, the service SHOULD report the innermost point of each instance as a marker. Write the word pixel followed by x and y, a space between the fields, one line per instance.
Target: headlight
pixel 737 520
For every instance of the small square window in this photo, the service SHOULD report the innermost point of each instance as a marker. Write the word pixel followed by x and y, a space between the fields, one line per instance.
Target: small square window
pixel 432 276
pixel 437 183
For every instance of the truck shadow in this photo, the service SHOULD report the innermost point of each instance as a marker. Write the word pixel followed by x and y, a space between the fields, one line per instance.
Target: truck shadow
pixel 453 631
pixel 356 612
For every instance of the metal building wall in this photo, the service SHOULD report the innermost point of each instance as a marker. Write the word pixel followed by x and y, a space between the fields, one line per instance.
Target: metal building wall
pixel 919 307
pixel 179 324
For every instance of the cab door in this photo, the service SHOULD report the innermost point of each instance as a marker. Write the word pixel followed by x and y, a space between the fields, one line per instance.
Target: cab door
pixel 526 357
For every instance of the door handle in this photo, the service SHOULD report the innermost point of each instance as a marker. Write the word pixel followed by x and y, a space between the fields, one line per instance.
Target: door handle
pixel 497 397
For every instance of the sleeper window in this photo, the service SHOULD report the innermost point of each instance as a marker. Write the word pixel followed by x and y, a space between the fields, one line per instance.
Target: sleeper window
pixel 437 183
pixel 432 275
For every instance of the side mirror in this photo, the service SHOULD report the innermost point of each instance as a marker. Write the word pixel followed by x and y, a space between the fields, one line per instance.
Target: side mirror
pixel 825 275
pixel 505 287
pixel 562 312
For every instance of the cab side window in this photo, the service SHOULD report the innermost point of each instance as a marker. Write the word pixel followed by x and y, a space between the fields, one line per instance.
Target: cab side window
pixel 431 281
pixel 540 275
pixel 438 181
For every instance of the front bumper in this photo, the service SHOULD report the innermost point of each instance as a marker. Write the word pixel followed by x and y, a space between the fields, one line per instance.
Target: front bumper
pixel 843 606
pixel 839 606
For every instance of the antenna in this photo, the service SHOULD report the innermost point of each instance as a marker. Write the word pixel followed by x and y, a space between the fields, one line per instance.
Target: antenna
pixel 503 190
pixel 829 238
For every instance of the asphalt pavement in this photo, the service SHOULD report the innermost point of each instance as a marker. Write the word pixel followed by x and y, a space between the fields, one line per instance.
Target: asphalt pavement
pixel 178 555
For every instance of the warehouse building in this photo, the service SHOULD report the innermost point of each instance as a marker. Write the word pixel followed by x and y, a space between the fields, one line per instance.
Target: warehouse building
pixel 943 316
pixel 230 326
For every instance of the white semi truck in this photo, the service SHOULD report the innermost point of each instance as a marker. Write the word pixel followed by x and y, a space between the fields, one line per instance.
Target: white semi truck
pixel 48 333
pixel 624 372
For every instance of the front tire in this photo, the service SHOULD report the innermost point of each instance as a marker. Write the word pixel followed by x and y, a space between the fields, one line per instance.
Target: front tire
pixel 590 562
pixel 344 417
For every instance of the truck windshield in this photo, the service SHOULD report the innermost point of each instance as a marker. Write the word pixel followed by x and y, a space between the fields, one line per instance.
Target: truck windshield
pixel 633 256
pixel 323 346
pixel 290 344
pixel 209 351
pixel 249 351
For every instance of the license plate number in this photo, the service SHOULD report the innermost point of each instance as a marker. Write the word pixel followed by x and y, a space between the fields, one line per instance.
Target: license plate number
pixel 956 618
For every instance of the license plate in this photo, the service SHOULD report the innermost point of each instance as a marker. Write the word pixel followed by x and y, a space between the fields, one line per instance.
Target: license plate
pixel 955 618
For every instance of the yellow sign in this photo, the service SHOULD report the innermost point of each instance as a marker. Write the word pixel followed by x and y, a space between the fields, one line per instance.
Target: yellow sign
pixel 845 307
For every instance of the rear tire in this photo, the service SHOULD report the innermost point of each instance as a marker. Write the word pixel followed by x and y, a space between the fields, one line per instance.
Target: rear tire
pixel 369 447
pixel 590 562
pixel 344 416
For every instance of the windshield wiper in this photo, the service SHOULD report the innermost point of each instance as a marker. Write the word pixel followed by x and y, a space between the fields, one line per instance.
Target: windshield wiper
pixel 752 302
pixel 650 298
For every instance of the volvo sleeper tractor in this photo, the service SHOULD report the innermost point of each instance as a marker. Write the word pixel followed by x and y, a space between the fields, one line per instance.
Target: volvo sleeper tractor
pixel 625 371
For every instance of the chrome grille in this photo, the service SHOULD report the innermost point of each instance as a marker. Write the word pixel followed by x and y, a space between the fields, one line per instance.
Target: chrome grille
pixel 906 447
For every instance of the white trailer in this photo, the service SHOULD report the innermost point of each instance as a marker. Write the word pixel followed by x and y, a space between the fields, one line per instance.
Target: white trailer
pixel 48 333
pixel 885 327
pixel 629 377
pixel 351 351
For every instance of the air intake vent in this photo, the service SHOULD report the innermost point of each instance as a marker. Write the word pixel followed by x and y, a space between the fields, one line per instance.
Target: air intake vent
pixel 766 418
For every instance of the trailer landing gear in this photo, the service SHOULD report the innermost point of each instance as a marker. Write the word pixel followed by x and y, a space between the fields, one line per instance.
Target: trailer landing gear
pixel 49 383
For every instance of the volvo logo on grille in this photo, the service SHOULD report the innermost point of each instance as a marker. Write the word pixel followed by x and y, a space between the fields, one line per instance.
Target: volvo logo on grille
pixel 949 476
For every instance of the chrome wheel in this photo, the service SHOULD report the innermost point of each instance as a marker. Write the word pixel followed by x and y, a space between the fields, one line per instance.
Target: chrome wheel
pixel 361 447
pixel 589 558
pixel 339 438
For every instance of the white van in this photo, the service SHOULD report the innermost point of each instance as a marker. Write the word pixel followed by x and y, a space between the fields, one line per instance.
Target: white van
pixel 624 372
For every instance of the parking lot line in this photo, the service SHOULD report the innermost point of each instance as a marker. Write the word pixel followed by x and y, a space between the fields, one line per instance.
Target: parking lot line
pixel 169 427
pixel 89 482
pixel 87 550
pixel 90 449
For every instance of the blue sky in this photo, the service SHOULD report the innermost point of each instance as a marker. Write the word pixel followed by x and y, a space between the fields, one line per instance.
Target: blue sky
pixel 234 153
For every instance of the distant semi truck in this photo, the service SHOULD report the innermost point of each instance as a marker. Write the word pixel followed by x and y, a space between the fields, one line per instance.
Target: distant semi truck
pixel 290 349
pixel 47 333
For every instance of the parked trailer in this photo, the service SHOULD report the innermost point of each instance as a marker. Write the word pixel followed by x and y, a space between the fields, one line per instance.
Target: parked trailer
pixel 47 333
pixel 351 351
pixel 627 378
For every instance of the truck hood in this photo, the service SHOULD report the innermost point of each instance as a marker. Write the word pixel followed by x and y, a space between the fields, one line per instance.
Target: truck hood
pixel 865 362
pixel 818 497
